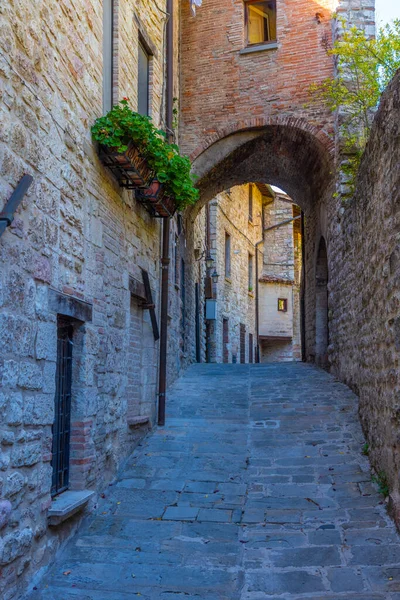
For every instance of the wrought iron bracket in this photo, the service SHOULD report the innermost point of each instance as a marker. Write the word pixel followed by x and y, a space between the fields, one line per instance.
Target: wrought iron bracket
pixel 7 214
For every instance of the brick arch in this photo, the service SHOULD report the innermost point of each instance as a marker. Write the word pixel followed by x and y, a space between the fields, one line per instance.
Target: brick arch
pixel 259 123
pixel 286 151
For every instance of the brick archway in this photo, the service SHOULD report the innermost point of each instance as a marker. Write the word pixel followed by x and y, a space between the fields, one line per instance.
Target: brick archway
pixel 285 151
pixel 259 123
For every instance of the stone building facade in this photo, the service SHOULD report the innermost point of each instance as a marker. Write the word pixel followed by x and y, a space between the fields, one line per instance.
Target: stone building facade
pixel 71 268
pixel 72 261
pixel 234 223
pixel 280 281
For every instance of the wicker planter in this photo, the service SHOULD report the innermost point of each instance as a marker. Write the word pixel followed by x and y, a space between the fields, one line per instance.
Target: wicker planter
pixel 156 201
pixel 130 168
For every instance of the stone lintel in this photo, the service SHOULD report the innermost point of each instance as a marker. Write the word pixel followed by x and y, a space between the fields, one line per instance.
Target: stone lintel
pixel 137 289
pixel 67 504
pixel 70 306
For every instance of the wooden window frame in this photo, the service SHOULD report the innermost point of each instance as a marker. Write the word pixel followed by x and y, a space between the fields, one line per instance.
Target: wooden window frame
pixel 267 43
pixel 285 304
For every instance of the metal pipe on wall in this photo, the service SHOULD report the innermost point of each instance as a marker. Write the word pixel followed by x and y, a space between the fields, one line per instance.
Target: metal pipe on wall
pixel 165 260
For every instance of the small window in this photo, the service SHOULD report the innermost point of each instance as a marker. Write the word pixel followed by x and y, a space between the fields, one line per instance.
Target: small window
pixel 108 51
pixel 143 80
pixel 260 21
pixel 176 260
pixel 251 258
pixel 227 255
pixel 282 304
pixel 251 203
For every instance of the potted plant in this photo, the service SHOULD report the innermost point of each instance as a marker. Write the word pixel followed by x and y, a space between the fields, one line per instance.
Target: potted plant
pixel 155 199
pixel 139 154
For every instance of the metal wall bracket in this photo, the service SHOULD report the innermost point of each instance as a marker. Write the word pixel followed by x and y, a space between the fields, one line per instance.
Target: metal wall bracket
pixel 7 214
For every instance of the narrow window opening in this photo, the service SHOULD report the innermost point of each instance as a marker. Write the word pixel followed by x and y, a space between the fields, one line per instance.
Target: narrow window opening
pixel 108 54
pixel 260 20
pixel 250 272
pixel 143 80
pixel 251 203
pixel 282 304
pixel 62 402
pixel 227 255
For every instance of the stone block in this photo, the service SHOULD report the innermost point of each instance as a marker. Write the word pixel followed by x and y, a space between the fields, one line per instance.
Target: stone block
pixel 14 484
pixel 5 512
pixel 290 582
pixel 30 376
pixel 180 513
pixel 46 341
pixel 26 455
pixel 39 409
pixel 14 409
pixel 14 545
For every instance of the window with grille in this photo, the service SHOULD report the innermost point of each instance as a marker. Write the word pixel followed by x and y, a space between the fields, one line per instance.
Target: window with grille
pixel 62 418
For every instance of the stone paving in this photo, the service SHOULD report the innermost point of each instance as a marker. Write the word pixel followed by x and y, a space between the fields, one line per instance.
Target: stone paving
pixel 256 489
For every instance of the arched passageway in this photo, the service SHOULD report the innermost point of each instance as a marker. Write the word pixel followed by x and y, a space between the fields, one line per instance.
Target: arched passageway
pixel 292 156
pixel 321 306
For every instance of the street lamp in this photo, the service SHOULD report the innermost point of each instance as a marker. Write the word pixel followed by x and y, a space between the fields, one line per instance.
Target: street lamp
pixel 209 261
pixel 215 276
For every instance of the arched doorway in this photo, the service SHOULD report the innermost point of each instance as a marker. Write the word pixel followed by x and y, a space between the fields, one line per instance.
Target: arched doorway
pixel 321 306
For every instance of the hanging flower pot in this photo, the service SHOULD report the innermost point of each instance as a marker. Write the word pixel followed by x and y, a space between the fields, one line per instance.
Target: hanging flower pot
pixel 129 167
pixel 138 153
pixel 156 201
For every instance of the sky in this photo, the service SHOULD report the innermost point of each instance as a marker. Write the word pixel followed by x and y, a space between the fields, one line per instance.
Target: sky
pixel 386 10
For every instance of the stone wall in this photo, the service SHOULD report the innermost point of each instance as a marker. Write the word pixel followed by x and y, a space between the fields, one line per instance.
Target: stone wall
pixel 235 293
pixel 280 279
pixel 364 268
pixel 76 242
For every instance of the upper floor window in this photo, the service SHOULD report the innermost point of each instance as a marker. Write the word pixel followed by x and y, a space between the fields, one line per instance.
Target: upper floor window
pixel 143 80
pixel 227 255
pixel 108 54
pixel 260 21
pixel 250 272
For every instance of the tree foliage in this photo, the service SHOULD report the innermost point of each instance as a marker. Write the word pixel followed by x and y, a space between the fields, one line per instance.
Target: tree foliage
pixel 364 67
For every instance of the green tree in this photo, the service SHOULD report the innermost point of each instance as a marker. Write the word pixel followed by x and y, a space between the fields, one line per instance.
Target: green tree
pixel 364 66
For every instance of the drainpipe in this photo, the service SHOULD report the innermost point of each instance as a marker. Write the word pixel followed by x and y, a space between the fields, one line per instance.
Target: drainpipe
pixel 165 260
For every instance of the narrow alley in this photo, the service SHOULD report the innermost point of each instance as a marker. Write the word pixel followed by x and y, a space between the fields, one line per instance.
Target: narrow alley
pixel 256 488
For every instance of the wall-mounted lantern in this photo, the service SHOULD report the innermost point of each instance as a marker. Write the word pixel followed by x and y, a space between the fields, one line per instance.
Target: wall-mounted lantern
pixel 215 276
pixel 209 261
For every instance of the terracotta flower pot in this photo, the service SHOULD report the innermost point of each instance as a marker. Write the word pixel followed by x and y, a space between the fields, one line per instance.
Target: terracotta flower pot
pixel 129 167
pixel 156 201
